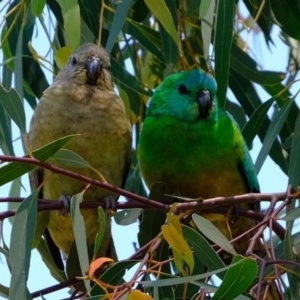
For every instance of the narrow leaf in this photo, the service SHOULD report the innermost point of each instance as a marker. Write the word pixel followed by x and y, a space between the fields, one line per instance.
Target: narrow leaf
pixel 127 216
pixel 80 235
pixel 68 158
pixel 237 279
pixel 148 37
pixel 14 170
pixel 22 235
pixel 291 215
pixel 222 45
pixel 272 133
pixel 282 9
pixel 118 22
pixel 294 163
pixel 71 14
pixel 189 279
pixel 213 233
pixel 12 104
pixel 47 258
pixel 6 143
pixel 207 14
pixel 102 223
pixel 161 11
pixel 256 121
pixel 179 246
pixel 243 64
pixel 37 7
pixel 202 249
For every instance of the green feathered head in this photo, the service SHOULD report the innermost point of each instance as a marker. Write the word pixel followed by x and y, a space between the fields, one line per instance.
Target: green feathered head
pixel 188 95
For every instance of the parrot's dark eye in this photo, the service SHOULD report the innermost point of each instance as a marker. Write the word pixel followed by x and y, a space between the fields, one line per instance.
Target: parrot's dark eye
pixel 183 89
pixel 73 60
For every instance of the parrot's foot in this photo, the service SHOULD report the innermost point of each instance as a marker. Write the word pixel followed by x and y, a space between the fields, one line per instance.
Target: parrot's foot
pixel 235 213
pixel 65 199
pixel 110 202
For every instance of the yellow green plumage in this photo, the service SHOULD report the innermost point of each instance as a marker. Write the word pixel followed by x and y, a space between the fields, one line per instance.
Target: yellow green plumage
pixel 189 143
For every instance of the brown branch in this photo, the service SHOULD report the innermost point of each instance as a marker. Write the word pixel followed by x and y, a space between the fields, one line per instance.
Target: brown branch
pixel 54 288
pixel 94 182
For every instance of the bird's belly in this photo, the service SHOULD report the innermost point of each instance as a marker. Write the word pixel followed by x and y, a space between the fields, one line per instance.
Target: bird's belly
pixel 61 230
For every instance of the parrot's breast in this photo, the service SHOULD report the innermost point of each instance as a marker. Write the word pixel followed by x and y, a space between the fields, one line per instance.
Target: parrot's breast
pixel 193 160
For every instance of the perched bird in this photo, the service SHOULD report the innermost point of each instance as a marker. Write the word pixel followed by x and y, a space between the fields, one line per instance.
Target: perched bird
pixel 82 101
pixel 189 143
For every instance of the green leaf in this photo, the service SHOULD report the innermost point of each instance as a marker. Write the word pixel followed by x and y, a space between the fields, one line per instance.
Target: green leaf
pixel 43 221
pixel 100 237
pixel 114 275
pixel 62 56
pixel 272 133
pixel 127 216
pixel 237 279
pixel 294 162
pixel 123 77
pixel 256 121
pixel 249 99
pixel 291 215
pixel 47 258
pixel 289 254
pixel 68 158
pixel 14 170
pixel 71 14
pixel 19 67
pixel 37 7
pixel 13 105
pixel 6 143
pixel 203 250
pixel 296 242
pixel 290 24
pixel 207 14
pixel 204 7
pixel 213 233
pixel 243 64
pixel 169 48
pixel 194 279
pixel 22 235
pixel 29 77
pixel 265 20
pixel 222 45
pixel 118 22
pixel 148 37
pixel 80 235
pixel 161 11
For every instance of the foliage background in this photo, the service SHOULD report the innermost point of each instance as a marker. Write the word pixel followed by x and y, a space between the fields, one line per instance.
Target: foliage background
pixel 149 40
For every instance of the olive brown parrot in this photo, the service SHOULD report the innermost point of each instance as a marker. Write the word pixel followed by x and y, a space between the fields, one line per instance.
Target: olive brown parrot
pixel 82 101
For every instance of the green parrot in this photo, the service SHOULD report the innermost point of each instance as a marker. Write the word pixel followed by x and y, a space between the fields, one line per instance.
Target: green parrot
pixel 189 143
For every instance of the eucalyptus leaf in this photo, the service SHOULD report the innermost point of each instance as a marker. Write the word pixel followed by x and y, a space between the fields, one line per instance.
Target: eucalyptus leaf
pixel 80 235
pixel 213 233
pixel 22 235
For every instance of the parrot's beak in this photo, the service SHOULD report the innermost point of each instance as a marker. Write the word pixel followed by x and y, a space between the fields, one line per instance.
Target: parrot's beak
pixel 205 103
pixel 93 69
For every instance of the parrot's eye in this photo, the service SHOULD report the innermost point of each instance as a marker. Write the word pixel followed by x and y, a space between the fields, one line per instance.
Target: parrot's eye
pixel 183 89
pixel 73 60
